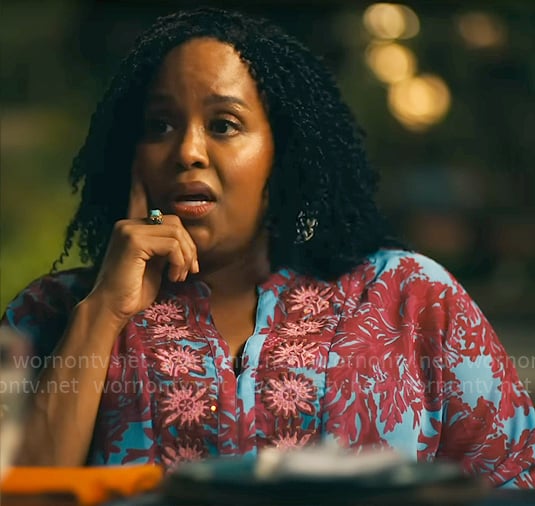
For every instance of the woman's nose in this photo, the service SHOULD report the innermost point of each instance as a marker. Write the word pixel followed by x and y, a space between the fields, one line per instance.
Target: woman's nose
pixel 191 150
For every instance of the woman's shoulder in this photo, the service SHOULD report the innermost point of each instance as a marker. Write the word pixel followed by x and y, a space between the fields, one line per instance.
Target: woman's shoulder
pixel 407 263
pixel 399 270
pixel 385 267
pixel 392 275
pixel 60 290
pixel 40 312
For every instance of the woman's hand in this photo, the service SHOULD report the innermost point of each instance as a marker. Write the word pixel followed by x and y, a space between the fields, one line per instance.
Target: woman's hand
pixel 137 254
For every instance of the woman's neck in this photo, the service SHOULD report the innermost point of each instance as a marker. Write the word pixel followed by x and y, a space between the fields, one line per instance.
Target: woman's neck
pixel 239 277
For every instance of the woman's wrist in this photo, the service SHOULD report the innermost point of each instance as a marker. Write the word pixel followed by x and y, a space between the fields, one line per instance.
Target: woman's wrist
pixel 94 312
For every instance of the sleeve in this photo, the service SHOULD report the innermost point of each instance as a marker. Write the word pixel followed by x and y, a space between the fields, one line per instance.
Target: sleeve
pixel 39 314
pixel 487 419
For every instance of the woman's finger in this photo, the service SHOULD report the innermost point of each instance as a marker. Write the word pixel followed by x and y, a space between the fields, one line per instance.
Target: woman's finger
pixel 177 264
pixel 189 249
pixel 183 258
pixel 138 203
pixel 172 225
pixel 146 243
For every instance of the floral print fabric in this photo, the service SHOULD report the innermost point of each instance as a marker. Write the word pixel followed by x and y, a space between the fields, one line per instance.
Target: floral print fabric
pixel 394 354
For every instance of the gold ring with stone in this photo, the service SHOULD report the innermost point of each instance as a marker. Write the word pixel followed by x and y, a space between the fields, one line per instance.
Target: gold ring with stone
pixel 155 217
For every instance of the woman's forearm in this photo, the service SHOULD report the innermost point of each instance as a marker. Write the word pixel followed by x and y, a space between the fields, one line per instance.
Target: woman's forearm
pixel 62 413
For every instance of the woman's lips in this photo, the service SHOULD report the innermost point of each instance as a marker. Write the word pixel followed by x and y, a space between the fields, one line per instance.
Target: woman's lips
pixel 192 208
pixel 192 199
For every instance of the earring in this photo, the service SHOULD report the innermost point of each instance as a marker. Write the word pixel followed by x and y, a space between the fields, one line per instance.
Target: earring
pixel 306 226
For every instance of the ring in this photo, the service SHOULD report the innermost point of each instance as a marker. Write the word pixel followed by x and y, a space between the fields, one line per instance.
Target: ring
pixel 155 217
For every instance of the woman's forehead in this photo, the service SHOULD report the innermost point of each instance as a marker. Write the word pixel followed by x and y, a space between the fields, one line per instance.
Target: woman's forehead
pixel 207 66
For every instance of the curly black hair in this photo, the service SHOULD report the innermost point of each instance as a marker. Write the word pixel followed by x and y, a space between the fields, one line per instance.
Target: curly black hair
pixel 322 215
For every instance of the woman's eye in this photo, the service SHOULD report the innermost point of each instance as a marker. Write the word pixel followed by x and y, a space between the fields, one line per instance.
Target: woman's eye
pixel 157 127
pixel 224 127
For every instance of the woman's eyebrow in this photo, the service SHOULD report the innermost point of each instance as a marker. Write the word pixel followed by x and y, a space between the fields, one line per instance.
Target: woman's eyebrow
pixel 157 98
pixel 225 99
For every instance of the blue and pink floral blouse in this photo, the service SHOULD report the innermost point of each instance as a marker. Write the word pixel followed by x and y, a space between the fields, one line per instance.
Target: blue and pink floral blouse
pixel 394 353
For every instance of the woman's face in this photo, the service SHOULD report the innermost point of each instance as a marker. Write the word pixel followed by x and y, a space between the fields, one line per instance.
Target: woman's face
pixel 207 149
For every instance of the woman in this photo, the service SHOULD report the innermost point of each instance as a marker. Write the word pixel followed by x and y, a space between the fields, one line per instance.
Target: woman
pixel 245 291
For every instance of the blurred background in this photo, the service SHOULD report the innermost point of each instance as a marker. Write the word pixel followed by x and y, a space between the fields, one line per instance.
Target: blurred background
pixel 443 88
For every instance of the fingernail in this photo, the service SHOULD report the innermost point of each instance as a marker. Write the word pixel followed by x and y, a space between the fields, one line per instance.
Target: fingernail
pixel 195 266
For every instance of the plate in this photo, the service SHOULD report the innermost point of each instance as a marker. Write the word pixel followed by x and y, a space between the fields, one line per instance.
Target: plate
pixel 235 482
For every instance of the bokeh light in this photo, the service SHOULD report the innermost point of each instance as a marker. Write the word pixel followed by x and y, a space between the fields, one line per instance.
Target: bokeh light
pixel 391 62
pixel 482 30
pixel 391 21
pixel 419 102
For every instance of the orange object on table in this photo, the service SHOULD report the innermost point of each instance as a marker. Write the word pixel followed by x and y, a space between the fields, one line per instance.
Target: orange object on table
pixel 89 485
